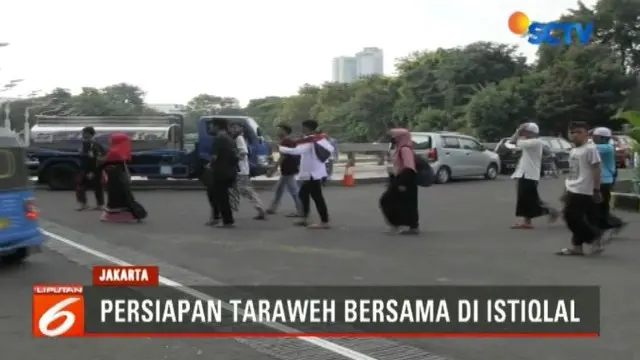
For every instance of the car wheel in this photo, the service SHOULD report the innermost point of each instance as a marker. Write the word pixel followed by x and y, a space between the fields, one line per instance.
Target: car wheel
pixel 61 176
pixel 492 172
pixel 16 257
pixel 443 175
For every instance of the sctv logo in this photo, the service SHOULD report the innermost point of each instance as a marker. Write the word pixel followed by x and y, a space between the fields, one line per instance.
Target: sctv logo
pixel 552 33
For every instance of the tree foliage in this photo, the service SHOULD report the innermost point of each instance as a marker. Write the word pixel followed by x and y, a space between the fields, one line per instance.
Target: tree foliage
pixel 484 88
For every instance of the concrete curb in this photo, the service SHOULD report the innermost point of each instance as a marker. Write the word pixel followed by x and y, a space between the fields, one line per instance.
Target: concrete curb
pixel 191 185
pixel 625 201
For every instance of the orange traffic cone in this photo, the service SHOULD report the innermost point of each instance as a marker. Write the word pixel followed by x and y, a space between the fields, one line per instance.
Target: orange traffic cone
pixel 348 179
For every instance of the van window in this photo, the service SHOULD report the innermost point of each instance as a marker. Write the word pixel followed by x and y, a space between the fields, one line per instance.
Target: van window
pixel 449 142
pixel 13 170
pixel 469 144
pixel 421 142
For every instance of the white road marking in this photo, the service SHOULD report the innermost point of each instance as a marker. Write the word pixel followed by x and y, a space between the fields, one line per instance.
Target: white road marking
pixel 322 343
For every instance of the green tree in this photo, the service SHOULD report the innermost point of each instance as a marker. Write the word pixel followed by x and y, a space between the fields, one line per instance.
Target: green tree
pixel 207 104
pixel 447 79
pixel 496 110
pixel 369 111
pixel 618 26
pixel 586 83
pixel 266 112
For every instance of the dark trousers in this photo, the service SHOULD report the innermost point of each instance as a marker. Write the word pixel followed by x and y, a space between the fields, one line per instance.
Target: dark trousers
pixel 95 184
pixel 580 214
pixel 400 208
pixel 219 199
pixel 529 205
pixel 312 189
pixel 606 220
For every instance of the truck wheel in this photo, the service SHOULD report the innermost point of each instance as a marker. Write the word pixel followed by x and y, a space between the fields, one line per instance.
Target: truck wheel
pixel 16 257
pixel 61 177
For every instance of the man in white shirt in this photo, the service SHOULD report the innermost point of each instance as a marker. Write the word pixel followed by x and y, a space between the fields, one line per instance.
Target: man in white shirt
pixel 314 151
pixel 245 188
pixel 529 205
pixel 582 193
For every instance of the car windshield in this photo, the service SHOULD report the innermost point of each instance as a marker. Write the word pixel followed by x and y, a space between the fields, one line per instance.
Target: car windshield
pixel 505 142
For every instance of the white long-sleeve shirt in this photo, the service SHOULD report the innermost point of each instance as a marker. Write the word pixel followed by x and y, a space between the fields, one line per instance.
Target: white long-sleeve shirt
pixel 530 160
pixel 310 166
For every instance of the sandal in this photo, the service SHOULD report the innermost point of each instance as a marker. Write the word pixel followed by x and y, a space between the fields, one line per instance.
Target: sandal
pixel 569 252
pixel 596 247
pixel 212 222
pixel 409 231
pixel 522 226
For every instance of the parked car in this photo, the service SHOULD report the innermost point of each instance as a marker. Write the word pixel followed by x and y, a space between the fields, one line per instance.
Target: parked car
pixel 454 155
pixel 555 155
pixel 560 149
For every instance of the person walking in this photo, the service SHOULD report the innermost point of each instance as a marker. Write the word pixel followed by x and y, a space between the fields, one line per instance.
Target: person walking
pixel 527 173
pixel 90 177
pixel 121 204
pixel 607 222
pixel 314 151
pixel 399 203
pixel 582 193
pixel 243 180
pixel 289 167
pixel 224 171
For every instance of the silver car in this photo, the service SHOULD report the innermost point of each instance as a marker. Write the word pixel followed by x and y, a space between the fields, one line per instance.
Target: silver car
pixel 455 155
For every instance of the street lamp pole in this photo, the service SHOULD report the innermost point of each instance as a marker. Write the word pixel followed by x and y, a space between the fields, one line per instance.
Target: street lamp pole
pixel 26 129
pixel 7 109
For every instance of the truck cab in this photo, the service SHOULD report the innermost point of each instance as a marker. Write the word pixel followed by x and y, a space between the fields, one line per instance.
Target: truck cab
pixel 259 148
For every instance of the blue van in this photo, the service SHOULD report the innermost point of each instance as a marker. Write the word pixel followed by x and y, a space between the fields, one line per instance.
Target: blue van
pixel 19 232
pixel 259 148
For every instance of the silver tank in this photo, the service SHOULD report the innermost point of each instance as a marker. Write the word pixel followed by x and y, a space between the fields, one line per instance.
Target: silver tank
pixel 65 132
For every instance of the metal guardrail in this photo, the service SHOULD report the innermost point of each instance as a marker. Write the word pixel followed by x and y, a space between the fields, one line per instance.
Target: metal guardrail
pixel 376 151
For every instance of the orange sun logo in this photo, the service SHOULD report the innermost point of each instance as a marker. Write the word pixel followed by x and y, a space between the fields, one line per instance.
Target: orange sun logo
pixel 519 23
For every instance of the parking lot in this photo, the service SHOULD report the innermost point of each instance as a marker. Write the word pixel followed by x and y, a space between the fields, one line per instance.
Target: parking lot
pixel 465 240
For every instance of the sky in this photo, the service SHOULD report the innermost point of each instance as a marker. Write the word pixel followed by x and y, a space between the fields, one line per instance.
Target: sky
pixel 175 50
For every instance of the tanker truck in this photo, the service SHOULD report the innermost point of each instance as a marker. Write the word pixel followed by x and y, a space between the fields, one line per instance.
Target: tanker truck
pixel 157 141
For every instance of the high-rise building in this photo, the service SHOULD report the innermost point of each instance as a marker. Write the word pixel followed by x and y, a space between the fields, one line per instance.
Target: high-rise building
pixel 370 61
pixel 344 69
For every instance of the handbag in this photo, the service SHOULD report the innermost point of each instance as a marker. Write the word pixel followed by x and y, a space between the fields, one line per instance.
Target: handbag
pixel 138 211
pixel 127 174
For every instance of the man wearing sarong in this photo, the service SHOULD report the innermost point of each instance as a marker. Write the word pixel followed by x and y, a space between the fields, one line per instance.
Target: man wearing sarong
pixel 527 173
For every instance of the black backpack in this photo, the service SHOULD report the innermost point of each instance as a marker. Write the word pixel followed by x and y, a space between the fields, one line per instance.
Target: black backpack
pixel 424 172
pixel 322 153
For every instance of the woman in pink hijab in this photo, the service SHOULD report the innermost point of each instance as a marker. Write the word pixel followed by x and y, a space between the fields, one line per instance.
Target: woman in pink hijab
pixel 399 203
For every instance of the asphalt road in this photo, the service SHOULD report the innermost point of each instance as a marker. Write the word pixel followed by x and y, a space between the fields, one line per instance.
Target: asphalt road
pixel 465 241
